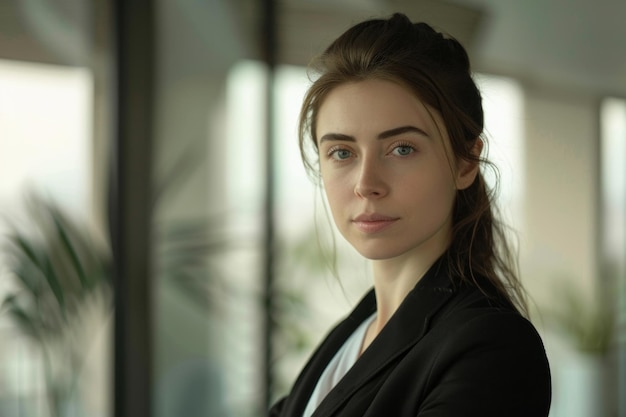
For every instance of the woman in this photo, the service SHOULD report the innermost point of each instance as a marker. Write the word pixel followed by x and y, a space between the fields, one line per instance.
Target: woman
pixel 395 123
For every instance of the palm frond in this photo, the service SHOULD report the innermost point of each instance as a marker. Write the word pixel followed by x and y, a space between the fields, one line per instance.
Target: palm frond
pixel 584 320
pixel 69 248
pixel 24 319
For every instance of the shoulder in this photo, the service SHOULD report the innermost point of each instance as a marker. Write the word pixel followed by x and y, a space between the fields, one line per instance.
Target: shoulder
pixel 495 329
pixel 471 320
pixel 487 355
pixel 475 357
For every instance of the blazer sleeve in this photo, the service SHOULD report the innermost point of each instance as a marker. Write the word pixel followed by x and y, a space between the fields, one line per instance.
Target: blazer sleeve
pixel 494 365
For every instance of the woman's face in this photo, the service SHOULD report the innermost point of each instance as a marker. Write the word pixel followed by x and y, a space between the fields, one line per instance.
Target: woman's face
pixel 387 170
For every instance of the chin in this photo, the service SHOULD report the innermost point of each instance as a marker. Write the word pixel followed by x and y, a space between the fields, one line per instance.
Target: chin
pixel 378 253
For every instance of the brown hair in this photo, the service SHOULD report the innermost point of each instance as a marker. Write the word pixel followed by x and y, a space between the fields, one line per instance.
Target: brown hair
pixel 437 69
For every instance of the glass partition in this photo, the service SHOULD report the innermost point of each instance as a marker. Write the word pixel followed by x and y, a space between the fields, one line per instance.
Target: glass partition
pixel 54 291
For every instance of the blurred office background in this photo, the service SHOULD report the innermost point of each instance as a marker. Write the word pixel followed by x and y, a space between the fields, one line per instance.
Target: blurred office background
pixel 160 236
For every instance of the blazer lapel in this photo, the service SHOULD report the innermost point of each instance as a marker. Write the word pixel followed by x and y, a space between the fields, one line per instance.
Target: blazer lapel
pixel 304 386
pixel 405 328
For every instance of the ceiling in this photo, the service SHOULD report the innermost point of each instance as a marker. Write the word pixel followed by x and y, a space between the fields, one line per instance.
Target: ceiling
pixel 573 45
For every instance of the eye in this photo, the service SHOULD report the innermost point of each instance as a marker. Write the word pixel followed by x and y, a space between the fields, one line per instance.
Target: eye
pixel 403 150
pixel 339 154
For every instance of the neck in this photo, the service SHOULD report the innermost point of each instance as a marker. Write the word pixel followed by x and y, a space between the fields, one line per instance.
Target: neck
pixel 392 282
pixel 395 278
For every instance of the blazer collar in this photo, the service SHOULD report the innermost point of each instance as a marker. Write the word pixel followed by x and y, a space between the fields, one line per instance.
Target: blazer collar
pixel 405 328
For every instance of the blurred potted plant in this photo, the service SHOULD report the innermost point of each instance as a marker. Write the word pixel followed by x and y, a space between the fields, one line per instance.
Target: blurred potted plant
pixel 587 323
pixel 60 278
pixel 61 275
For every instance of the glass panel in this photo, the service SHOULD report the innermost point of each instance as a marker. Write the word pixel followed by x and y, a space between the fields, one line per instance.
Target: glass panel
pixel 209 176
pixel 503 101
pixel 54 358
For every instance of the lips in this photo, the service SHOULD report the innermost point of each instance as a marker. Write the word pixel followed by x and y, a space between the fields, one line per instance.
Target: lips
pixel 373 223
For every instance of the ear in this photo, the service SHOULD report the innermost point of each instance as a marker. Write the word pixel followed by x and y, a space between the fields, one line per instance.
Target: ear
pixel 467 170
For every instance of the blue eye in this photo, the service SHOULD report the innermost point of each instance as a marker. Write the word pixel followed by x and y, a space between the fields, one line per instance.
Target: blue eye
pixel 403 150
pixel 340 154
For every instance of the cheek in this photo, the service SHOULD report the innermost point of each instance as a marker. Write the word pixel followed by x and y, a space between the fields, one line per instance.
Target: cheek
pixel 446 186
pixel 338 194
pixel 334 188
pixel 436 189
pixel 444 174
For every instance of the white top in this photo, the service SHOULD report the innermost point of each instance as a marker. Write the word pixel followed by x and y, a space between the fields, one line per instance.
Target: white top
pixel 341 363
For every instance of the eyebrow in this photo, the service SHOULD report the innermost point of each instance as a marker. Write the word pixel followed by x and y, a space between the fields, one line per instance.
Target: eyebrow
pixel 383 135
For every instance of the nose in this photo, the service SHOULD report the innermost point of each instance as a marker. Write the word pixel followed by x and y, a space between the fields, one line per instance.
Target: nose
pixel 370 183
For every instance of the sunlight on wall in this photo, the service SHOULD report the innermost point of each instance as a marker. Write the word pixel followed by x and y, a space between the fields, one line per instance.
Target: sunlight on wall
pixel 45 131
pixel 246 130
pixel 296 189
pixel 503 102
pixel 613 149
pixel 245 133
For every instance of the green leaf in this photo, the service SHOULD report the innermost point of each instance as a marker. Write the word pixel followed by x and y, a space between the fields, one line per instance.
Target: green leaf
pixel 53 282
pixel 24 321
pixel 28 250
pixel 67 245
pixel 26 273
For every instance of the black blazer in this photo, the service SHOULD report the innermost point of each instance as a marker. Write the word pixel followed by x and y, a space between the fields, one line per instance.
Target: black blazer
pixel 448 351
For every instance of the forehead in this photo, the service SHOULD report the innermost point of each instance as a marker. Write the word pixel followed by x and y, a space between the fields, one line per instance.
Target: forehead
pixel 373 106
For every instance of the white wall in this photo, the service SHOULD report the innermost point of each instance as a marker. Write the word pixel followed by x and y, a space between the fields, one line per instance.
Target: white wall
pixel 560 204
